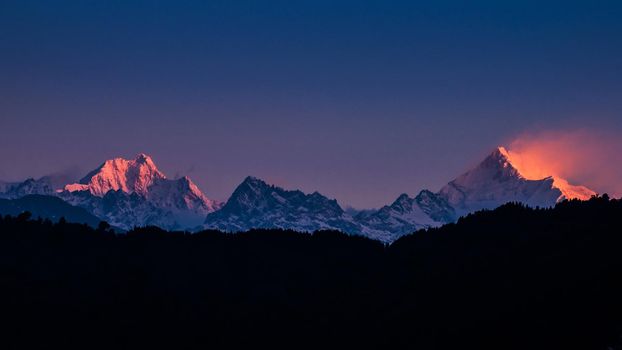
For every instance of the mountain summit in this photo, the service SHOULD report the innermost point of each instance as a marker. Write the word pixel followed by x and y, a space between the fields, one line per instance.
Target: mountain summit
pixel 256 204
pixel 497 180
pixel 406 215
pixel 129 176
pixel 143 191
pixel 133 192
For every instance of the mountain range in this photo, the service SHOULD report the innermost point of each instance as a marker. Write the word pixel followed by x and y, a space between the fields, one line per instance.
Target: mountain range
pixel 130 193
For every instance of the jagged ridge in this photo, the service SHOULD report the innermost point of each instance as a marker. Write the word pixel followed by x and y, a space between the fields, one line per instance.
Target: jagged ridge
pixel 255 204
pixel 130 193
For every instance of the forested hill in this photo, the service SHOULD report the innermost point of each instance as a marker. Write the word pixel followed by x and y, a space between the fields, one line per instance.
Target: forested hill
pixel 512 278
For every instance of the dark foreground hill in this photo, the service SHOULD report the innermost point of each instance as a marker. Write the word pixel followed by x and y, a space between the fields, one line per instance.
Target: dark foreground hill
pixel 513 278
pixel 49 207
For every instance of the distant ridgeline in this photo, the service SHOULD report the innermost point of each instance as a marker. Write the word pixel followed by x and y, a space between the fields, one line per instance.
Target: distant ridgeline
pixel 134 193
pixel 512 278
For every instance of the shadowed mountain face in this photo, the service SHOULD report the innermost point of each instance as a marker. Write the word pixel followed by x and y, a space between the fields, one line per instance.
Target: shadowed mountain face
pixel 496 181
pixel 406 215
pixel 129 193
pixel 42 186
pixel 141 176
pixel 255 204
pixel 120 209
pixel 48 207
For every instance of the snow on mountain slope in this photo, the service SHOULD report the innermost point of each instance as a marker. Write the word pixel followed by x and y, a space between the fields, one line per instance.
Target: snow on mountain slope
pixel 120 174
pixel 124 210
pixel 572 191
pixel 135 193
pixel 42 186
pixel 129 193
pixel 183 199
pixel 255 204
pixel 496 181
pixel 406 215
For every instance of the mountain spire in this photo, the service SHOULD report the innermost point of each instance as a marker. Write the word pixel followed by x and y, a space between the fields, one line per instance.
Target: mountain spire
pixel 122 174
pixel 501 178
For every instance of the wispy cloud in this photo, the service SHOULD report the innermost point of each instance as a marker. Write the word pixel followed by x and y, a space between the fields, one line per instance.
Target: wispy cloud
pixel 582 156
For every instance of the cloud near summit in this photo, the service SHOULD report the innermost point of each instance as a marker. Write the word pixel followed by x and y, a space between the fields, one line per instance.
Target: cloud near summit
pixel 588 157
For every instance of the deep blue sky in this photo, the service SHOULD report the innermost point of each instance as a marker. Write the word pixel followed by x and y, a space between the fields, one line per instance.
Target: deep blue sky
pixel 360 100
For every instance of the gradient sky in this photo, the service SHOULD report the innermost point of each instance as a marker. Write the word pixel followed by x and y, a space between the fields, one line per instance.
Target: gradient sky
pixel 360 100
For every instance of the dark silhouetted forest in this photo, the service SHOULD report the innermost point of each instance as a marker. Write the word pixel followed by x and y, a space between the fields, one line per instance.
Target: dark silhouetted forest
pixel 512 278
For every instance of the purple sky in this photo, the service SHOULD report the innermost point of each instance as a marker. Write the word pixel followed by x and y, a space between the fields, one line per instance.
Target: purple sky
pixel 360 100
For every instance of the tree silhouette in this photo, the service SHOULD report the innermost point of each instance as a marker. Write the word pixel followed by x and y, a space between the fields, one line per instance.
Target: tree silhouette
pixel 511 278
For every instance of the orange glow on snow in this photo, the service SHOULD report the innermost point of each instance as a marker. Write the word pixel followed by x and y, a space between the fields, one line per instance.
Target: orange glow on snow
pixel 535 161
pixel 529 164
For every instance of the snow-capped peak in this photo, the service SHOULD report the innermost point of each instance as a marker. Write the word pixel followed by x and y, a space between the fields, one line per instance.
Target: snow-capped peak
pixel 503 177
pixel 256 204
pixel 143 158
pixel 180 200
pixel 129 176
pixel 500 159
pixel 254 183
pixel 406 215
